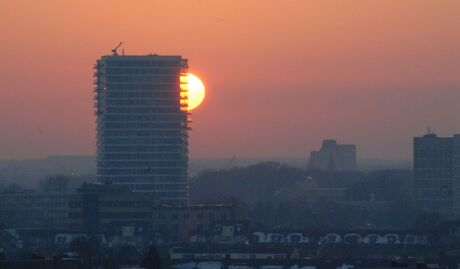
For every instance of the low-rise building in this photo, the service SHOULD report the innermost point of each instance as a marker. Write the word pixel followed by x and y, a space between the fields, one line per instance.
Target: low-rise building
pixel 179 223
pixel 110 209
pixel 119 212
pixel 229 232
pixel 34 210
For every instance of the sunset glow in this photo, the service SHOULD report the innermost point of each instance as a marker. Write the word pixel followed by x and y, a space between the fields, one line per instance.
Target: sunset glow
pixel 343 69
pixel 196 91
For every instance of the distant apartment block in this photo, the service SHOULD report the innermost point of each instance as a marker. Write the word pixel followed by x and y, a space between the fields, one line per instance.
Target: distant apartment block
pixel 334 157
pixel 437 174
pixel 142 124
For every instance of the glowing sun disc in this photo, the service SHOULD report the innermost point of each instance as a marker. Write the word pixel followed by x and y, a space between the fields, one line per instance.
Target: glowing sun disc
pixel 196 91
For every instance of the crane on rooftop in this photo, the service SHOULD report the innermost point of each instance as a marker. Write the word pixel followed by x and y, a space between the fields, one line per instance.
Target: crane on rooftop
pixel 114 51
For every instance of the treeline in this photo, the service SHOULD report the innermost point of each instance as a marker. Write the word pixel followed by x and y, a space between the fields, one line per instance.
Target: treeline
pixel 250 184
pixel 262 182
pixel 272 194
pixel 52 183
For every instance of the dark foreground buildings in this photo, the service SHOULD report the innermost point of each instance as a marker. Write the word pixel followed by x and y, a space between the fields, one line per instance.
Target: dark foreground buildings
pixel 142 124
pixel 437 174
pixel 114 211
pixel 34 210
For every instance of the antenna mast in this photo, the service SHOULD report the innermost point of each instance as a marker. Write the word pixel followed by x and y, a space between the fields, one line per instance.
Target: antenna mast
pixel 114 51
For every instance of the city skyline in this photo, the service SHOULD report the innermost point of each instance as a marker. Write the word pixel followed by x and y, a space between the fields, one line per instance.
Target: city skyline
pixel 373 74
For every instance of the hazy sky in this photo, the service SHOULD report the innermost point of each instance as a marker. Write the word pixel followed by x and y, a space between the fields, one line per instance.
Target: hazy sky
pixel 281 75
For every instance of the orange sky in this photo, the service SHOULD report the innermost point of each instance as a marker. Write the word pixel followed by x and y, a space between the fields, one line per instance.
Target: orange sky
pixel 281 75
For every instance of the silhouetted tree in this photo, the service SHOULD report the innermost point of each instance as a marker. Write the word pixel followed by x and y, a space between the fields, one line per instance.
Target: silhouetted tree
pixel 111 259
pixel 128 254
pixel 152 260
pixel 2 255
pixel 55 183
pixel 14 188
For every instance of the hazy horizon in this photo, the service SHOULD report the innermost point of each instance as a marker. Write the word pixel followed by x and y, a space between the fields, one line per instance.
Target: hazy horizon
pixel 29 172
pixel 371 73
pixel 238 161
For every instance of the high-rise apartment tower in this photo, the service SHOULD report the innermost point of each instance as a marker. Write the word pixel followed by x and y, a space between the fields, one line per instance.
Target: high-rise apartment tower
pixel 437 174
pixel 142 124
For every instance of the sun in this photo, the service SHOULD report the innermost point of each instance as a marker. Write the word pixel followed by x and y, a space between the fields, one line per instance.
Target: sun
pixel 196 91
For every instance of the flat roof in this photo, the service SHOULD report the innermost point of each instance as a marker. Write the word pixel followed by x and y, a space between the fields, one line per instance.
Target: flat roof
pixel 142 57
